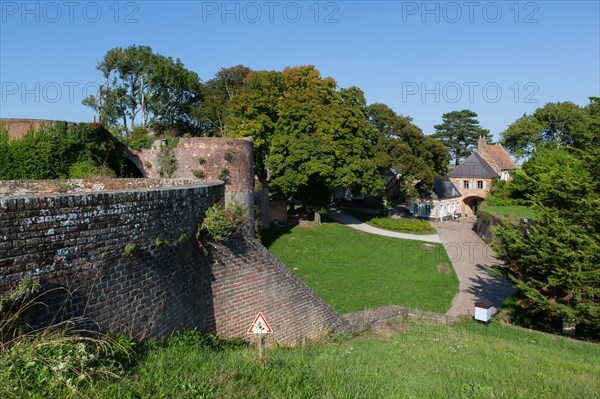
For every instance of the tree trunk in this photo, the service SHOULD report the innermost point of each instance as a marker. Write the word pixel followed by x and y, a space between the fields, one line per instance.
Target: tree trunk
pixel 317 218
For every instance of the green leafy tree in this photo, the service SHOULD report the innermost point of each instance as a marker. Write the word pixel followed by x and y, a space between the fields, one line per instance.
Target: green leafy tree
pixel 460 131
pixel 253 112
pixel 211 114
pixel 559 124
pixel 554 261
pixel 322 140
pixel 403 147
pixel 170 90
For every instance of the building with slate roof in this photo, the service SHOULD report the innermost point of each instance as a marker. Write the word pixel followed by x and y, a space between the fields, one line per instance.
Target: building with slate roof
pixel 472 179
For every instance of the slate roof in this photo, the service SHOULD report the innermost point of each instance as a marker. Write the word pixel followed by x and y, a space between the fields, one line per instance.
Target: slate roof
pixel 444 189
pixel 474 167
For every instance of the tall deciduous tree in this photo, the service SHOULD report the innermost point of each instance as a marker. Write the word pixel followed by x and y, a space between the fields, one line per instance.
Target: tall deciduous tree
pixel 170 90
pixel 402 146
pixel 323 139
pixel 558 124
pixel 217 93
pixel 460 131
pixel 253 111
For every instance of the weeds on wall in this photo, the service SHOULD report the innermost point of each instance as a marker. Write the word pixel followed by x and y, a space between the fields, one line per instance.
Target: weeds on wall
pixel 224 175
pixel 220 223
pixel 130 249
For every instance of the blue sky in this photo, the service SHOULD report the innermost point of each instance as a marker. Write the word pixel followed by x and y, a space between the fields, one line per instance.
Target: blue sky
pixel 500 59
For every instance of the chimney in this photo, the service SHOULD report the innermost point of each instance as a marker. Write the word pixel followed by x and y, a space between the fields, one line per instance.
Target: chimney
pixel 481 144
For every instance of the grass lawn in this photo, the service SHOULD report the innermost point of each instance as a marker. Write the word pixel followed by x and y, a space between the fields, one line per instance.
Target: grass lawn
pixel 401 225
pixel 353 271
pixel 468 360
pixel 510 212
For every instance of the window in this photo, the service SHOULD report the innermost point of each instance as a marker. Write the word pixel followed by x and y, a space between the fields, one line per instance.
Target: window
pixel 480 184
pixel 415 209
pixel 466 184
pixel 427 210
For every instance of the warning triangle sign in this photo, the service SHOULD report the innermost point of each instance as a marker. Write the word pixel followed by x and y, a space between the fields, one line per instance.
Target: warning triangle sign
pixel 260 325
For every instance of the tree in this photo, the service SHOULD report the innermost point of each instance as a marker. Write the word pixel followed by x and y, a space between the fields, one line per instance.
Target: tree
pixel 460 131
pixel 217 93
pixel 170 90
pixel 253 112
pixel 322 140
pixel 403 147
pixel 559 124
pixel 554 261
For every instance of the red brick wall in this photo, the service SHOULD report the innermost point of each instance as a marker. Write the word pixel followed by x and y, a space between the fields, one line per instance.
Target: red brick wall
pixel 18 127
pixel 76 239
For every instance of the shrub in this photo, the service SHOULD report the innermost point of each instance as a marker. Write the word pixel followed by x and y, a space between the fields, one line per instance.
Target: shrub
pixel 199 174
pixel 169 164
pixel 402 225
pixel 224 175
pixel 220 222
pixel 139 139
pixel 59 150
pixel 85 169
pixel 129 249
pixel 202 161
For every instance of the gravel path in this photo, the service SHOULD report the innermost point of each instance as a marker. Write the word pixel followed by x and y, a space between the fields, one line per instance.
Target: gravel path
pixel 472 258
pixel 350 221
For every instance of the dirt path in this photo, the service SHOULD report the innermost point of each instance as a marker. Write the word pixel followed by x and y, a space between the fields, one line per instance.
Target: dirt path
pixel 350 221
pixel 472 259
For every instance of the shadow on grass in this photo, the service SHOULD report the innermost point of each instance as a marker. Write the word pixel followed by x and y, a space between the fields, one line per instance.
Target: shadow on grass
pixel 270 235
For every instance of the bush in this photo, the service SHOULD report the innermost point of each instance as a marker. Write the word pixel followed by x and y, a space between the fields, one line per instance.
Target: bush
pixel 59 150
pixel 220 222
pixel 402 225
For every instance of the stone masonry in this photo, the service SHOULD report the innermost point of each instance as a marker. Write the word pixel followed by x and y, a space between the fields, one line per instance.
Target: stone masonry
pixel 74 236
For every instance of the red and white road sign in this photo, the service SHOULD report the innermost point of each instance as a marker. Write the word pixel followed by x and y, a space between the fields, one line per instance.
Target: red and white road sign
pixel 260 325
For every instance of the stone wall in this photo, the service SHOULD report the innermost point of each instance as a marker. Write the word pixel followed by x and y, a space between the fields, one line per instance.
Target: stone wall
pixel 17 128
pixel 74 238
pixel 230 160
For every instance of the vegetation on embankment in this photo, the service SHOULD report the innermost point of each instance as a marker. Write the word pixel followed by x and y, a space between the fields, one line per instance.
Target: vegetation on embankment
pixel 60 150
pixel 405 360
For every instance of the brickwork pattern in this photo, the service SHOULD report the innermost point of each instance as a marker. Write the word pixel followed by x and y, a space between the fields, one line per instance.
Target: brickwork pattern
pixel 249 279
pixel 75 242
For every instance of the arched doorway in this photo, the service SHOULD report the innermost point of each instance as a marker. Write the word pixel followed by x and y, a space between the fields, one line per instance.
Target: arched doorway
pixel 471 205
pixel 132 167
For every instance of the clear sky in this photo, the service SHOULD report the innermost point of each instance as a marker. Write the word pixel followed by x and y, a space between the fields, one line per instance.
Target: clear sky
pixel 500 59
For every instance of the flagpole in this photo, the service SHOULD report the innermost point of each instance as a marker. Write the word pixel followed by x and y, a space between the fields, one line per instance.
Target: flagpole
pixel 143 110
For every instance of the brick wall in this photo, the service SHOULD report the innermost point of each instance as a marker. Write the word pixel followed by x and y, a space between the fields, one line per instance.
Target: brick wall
pixel 75 242
pixel 210 156
pixel 17 128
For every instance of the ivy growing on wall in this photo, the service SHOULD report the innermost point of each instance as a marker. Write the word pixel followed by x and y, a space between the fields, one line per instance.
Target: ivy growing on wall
pixel 60 150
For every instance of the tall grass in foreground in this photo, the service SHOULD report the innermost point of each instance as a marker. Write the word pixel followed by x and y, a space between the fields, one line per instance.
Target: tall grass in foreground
pixel 407 360
pixel 60 360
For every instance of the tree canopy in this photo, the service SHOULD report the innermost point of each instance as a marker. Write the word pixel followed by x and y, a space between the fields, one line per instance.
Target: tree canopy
pixel 460 131
pixel 554 261
pixel 170 90
pixel 558 124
